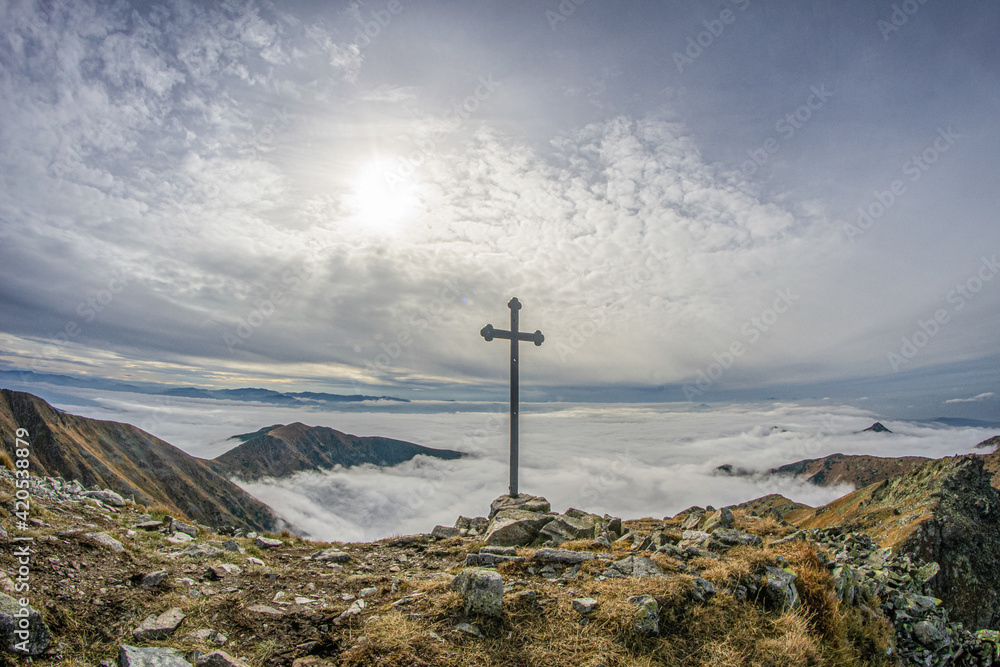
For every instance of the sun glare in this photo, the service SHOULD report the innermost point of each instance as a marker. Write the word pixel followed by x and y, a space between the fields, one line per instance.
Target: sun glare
pixel 382 201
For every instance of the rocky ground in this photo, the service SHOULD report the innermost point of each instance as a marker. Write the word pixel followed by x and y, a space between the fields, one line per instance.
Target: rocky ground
pixel 112 583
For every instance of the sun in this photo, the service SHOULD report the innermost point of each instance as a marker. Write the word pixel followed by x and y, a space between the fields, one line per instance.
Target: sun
pixel 381 200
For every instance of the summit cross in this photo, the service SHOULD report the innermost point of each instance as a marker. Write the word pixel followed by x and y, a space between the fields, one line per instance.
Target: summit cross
pixel 489 333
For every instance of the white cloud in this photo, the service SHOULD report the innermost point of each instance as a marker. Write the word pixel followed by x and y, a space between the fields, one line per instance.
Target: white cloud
pixel 974 399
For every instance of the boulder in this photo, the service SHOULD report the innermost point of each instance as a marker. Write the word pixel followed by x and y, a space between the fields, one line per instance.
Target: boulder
pixel 105 540
pixel 515 528
pixel 522 501
pixel 153 579
pixel 233 545
pixel 444 532
pixel 331 555
pixel 646 620
pixel 481 590
pixel 723 539
pixel 584 606
pixel 154 656
pixel 633 566
pixel 562 556
pixel 720 519
pixel 267 542
pixel 30 641
pixel 107 497
pixel 566 527
pixel 159 627
pixel 185 528
pixel 778 585
pixel 219 659
pixel 148 525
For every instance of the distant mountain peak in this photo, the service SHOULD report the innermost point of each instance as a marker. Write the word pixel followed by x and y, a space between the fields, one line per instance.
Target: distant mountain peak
pixel 877 427
pixel 282 450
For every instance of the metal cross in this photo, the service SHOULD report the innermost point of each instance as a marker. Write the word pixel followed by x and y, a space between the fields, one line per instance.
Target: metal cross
pixel 489 333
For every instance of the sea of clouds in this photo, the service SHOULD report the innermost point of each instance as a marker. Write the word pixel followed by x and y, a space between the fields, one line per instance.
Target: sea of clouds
pixel 628 460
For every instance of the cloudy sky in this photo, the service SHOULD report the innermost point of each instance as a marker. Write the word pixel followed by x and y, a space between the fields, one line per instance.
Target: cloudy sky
pixel 689 198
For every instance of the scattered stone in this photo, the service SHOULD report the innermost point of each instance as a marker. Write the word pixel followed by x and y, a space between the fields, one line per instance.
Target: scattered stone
pixel 217 572
pixel 148 525
pixel 567 527
pixel 633 566
pixel 105 540
pixel 647 615
pixel 153 579
pixel 331 556
pixel 584 605
pixel 154 656
pixel 219 659
pixel 252 535
pixel 365 592
pixel 180 538
pixel 490 560
pixel 515 527
pixel 311 661
pixel 522 501
pixel 443 532
pixel 564 556
pixel 703 590
pixel 724 539
pixel 255 561
pixel 202 551
pixel 159 627
pixel 720 519
pixel 267 542
pixel 482 591
pixel 264 609
pixel 779 587
pixel 356 608
pixel 181 527
pixel 234 546
pixel 30 641
pixel 469 629
pixel 106 497
pixel 7 584
pixel 787 539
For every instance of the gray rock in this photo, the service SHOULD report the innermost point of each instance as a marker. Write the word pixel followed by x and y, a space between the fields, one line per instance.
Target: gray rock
pixel 148 525
pixel 931 634
pixel 633 566
pixel 703 590
pixel 155 656
pixel 779 587
pixel 444 532
pixel 216 572
pixel 499 551
pixel 331 555
pixel 523 501
pixel 693 538
pixel 202 551
pixel 469 629
pixel 490 560
pixel 720 519
pixel 252 535
pixel 515 528
pixel 31 641
pixel 787 539
pixel 159 627
pixel 564 556
pixel 106 540
pixel 267 542
pixel 692 521
pixel 584 605
pixel 647 615
pixel 233 545
pixel 725 538
pixel 482 591
pixel 264 609
pixel 107 497
pixel 219 659
pixel 153 579
pixel 564 527
pixel 181 527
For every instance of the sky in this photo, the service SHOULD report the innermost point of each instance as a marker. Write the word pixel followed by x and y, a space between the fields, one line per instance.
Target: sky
pixel 692 200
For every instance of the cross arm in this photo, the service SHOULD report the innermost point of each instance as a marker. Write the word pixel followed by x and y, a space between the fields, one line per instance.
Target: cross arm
pixel 489 333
